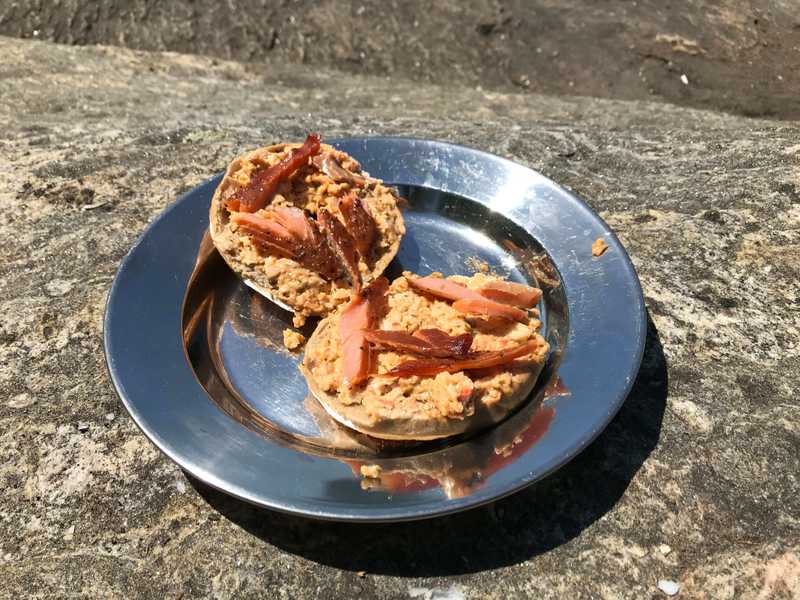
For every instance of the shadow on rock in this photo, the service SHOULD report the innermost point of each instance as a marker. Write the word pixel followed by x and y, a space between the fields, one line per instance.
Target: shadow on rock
pixel 509 531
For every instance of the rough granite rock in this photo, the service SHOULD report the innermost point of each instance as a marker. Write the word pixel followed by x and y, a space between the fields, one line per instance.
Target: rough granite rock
pixel 739 56
pixel 695 481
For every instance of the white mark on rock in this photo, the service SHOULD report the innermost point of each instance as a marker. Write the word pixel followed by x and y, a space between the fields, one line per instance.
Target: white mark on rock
pixel 69 533
pixel 792 149
pixel 110 416
pixel 684 79
pixel 22 400
pixel 180 486
pixel 451 593
pixel 86 207
pixel 83 426
pixel 664 549
pixel 670 588
pixel 58 287
pixel 693 415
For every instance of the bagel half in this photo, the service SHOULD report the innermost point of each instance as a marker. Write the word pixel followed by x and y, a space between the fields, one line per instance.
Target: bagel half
pixel 310 189
pixel 429 407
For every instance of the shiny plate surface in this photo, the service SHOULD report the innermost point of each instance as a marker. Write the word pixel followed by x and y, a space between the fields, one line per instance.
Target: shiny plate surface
pixel 198 360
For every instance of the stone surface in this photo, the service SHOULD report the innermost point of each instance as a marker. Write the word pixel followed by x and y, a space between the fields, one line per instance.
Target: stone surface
pixel 735 55
pixel 702 458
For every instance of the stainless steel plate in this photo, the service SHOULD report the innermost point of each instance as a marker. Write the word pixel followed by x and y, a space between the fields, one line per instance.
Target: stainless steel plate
pixel 198 358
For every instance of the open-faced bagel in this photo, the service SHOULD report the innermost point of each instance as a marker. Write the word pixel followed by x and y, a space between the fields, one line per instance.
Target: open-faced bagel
pixel 287 269
pixel 429 405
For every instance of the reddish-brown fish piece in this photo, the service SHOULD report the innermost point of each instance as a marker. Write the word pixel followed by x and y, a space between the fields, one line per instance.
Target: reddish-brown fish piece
pixel 294 221
pixel 458 344
pixel 294 236
pixel 268 234
pixel 264 182
pixel 359 223
pixel 362 314
pixel 443 288
pixel 489 308
pixel 508 292
pixel 466 300
pixel 342 244
pixel 402 341
pixel 318 256
pixel 426 367
pixel 328 164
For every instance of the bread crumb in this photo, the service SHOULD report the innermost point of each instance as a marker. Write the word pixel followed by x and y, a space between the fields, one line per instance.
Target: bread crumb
pixel 477 265
pixel 373 471
pixel 298 320
pixel 293 340
pixel 361 573
pixel 599 247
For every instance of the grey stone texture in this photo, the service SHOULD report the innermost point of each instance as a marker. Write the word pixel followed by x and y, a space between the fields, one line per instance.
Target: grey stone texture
pixel 740 56
pixel 695 481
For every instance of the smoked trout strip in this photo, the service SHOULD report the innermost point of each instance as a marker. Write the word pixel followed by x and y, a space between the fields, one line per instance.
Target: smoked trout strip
pixel 466 300
pixel 302 243
pixel 360 315
pixel 264 182
pixel 427 367
pixel 359 223
pixel 402 341
pixel 442 288
pixel 294 221
pixel 508 292
pixel 328 164
pixel 342 244
pixel 459 344
pixel 489 308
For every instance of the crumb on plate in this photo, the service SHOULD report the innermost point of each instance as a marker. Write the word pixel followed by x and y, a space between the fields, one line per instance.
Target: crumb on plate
pixel 477 265
pixel 293 340
pixel 373 471
pixel 599 247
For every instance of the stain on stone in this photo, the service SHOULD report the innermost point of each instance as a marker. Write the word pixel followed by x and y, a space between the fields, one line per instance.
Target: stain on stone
pixel 707 295
pixel 74 170
pixel 790 190
pixel 759 391
pixel 644 218
pixel 751 227
pixel 656 306
pixel 713 216
pixel 75 195
pixel 682 374
pixel 39 141
pixel 156 138
pixel 68 193
pixel 7 337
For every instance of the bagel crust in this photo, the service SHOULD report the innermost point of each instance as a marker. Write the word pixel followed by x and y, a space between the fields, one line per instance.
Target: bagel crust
pixel 309 189
pixel 415 407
